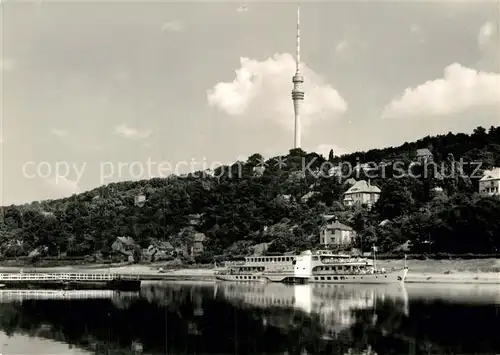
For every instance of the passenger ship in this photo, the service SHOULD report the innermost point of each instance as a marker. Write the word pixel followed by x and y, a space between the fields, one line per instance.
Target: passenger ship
pixel 328 267
pixel 322 266
pixel 281 268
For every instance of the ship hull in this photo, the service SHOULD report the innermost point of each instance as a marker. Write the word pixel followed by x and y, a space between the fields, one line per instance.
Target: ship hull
pixel 396 276
pixel 265 277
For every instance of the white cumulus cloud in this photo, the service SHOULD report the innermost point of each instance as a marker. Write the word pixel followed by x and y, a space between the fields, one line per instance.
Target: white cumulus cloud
pixel 127 132
pixel 261 90
pixel 461 88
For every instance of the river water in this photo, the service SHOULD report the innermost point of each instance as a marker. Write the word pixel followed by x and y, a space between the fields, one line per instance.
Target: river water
pixel 231 318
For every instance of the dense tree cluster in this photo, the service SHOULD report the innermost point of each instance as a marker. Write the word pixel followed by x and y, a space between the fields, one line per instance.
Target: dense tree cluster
pixel 255 201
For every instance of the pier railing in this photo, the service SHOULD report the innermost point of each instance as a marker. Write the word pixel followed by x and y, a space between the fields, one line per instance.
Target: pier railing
pixel 66 277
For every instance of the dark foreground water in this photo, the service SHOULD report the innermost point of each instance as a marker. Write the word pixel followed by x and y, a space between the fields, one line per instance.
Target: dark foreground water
pixel 254 319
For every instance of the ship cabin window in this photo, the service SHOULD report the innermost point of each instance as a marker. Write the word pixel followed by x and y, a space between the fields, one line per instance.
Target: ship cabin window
pixel 315 258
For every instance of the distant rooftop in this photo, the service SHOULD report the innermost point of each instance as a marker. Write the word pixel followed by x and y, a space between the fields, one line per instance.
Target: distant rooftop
pixel 424 152
pixel 362 187
pixel 340 226
pixel 492 174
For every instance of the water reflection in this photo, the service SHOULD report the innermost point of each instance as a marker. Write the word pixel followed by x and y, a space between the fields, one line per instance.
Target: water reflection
pixel 229 318
pixel 333 305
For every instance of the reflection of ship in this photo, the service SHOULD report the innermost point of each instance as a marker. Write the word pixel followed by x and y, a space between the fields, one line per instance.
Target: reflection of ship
pixel 333 304
pixel 7 296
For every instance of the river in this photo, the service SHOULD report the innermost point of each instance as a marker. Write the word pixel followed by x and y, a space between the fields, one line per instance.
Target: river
pixel 231 318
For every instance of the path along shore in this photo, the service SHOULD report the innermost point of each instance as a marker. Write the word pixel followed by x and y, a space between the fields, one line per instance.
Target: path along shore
pixel 420 271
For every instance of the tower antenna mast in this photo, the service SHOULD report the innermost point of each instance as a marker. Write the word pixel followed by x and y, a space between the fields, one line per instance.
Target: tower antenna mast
pixel 297 92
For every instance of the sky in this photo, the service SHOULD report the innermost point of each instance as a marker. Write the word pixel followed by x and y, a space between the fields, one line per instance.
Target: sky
pixel 99 92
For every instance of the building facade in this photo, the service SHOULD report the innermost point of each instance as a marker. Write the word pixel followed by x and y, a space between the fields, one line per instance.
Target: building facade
pixel 362 193
pixel 334 233
pixel 490 183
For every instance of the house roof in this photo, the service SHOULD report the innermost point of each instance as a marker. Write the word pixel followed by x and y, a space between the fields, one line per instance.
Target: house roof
pixel 338 225
pixel 424 152
pixel 126 240
pixel 362 187
pixel 493 174
pixel 165 245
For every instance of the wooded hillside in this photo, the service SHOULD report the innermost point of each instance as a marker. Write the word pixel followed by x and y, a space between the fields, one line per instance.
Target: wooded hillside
pixel 245 205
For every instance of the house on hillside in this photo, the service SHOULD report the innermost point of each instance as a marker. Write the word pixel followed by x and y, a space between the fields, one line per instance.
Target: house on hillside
pixel 125 246
pixel 424 155
pixel 197 246
pixel 160 250
pixel 334 233
pixel 489 184
pixel 362 193
pixel 139 200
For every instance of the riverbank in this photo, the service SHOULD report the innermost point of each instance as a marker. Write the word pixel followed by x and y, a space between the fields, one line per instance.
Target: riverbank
pixel 475 271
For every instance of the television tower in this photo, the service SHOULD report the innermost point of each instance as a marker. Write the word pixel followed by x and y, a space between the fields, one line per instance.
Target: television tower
pixel 297 92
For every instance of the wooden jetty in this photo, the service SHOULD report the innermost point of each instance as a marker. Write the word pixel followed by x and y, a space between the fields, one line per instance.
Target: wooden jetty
pixel 70 281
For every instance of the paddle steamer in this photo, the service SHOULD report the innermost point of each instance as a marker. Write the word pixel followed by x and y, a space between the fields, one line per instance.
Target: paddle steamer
pixel 322 266
pixel 279 268
pixel 328 267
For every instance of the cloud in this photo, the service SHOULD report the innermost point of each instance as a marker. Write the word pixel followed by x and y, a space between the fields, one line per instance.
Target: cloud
pixel 62 186
pixel 486 34
pixel 262 90
pixel 61 133
pixel 7 64
pixel 324 149
pixel 461 88
pixel 127 132
pixel 242 9
pixel 172 26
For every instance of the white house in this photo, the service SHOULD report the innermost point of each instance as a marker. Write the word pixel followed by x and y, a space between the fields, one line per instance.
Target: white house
pixel 490 182
pixel 336 233
pixel 361 193
pixel 424 155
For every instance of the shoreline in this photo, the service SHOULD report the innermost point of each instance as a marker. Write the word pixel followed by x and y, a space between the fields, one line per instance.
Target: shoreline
pixel 186 274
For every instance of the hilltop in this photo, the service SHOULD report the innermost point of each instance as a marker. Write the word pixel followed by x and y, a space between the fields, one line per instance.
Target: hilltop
pixel 234 208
